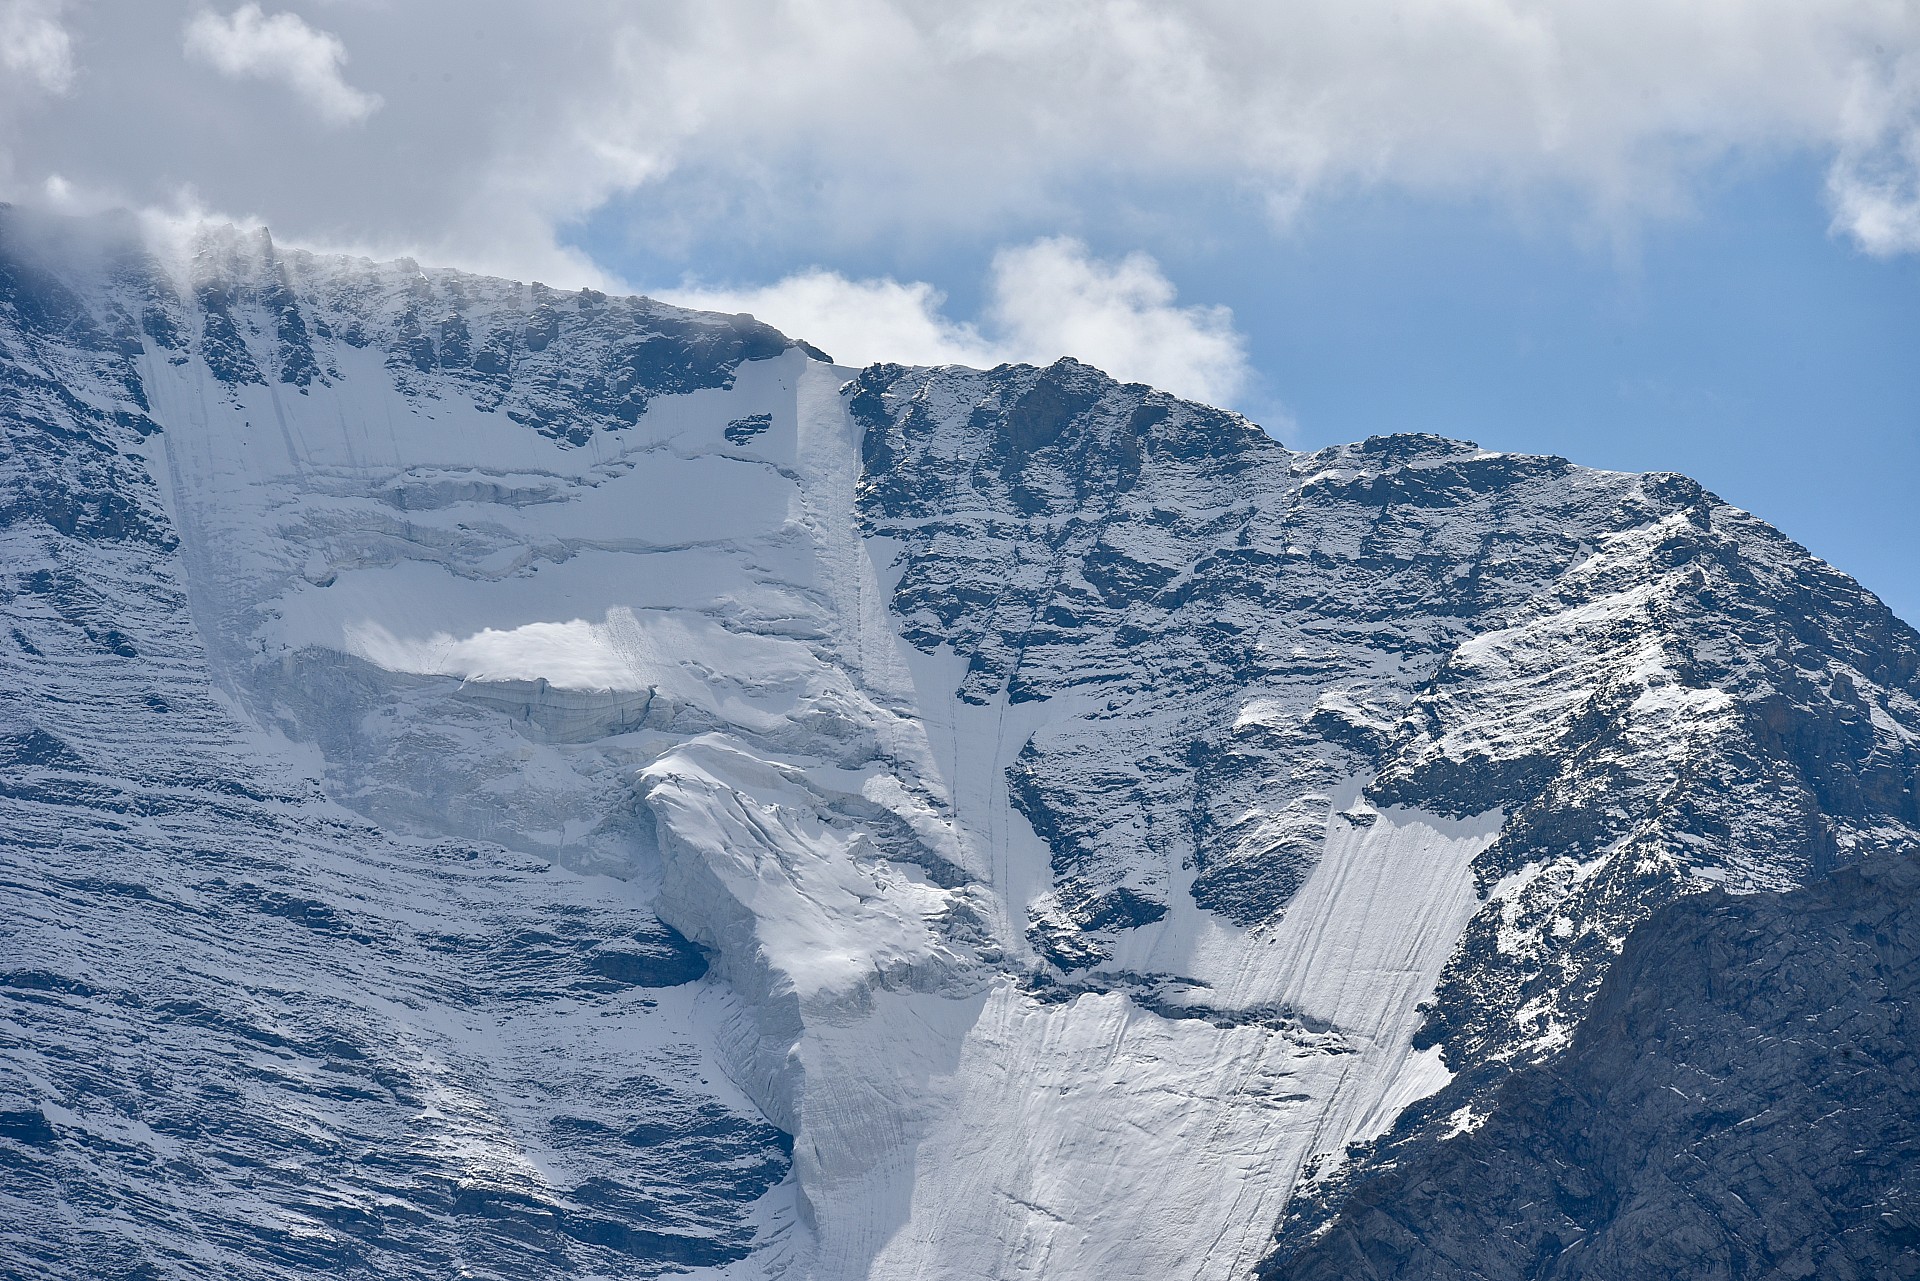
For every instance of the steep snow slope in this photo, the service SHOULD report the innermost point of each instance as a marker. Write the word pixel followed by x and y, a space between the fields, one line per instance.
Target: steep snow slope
pixel 245 1033
pixel 1082 801
pixel 701 616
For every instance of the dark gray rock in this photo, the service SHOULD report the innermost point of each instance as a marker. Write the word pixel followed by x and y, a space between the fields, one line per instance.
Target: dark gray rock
pixel 1742 1100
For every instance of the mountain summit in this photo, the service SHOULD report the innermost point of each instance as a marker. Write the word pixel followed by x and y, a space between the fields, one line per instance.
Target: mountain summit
pixel 507 782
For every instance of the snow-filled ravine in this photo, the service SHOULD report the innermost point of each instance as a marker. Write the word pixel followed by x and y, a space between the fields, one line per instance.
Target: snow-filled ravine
pixel 1084 806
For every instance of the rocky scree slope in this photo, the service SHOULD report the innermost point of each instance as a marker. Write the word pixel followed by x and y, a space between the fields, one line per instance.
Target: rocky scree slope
pixel 1026 752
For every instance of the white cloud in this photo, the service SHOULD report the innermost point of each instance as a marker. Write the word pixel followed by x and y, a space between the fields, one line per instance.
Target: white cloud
pixel 34 47
pixel 879 114
pixel 824 125
pixel 1052 299
pixel 248 43
pixel 1878 204
pixel 1049 299
pixel 856 321
pixel 1875 182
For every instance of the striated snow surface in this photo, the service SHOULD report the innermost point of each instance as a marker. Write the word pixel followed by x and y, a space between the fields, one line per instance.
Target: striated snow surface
pixel 746 815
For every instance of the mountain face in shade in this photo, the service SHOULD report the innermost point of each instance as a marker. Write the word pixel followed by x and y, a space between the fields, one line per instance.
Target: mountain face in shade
pixel 542 784
pixel 1743 1100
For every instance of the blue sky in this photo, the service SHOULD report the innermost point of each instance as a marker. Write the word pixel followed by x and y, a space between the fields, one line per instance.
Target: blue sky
pixel 1640 234
pixel 1744 346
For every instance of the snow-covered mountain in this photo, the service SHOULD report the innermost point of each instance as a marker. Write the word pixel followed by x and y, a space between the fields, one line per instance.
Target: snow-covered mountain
pixel 511 783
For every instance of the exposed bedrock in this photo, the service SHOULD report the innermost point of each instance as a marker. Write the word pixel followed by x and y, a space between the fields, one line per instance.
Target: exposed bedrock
pixel 1741 1100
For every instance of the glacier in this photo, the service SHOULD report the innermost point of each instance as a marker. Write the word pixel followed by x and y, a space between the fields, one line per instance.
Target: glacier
pixel 633 796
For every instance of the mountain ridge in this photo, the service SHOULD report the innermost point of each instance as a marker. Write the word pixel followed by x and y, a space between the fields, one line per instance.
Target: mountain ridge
pixel 1014 743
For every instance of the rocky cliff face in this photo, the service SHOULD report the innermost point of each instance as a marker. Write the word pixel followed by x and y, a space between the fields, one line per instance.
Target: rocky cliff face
pixel 1741 1101
pixel 547 783
pixel 1653 689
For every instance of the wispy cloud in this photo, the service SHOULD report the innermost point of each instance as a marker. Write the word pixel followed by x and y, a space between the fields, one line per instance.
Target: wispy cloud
pixel 248 43
pixel 34 46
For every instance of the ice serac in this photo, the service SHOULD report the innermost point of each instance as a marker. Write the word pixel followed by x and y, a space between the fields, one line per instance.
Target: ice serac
pixel 817 822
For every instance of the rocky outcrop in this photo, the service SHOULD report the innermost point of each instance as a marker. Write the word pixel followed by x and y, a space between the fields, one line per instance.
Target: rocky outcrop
pixel 1742 1100
pixel 1656 690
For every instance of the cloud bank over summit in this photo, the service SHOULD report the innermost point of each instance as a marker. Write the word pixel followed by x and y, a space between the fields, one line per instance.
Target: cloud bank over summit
pixel 603 144
pixel 501 125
